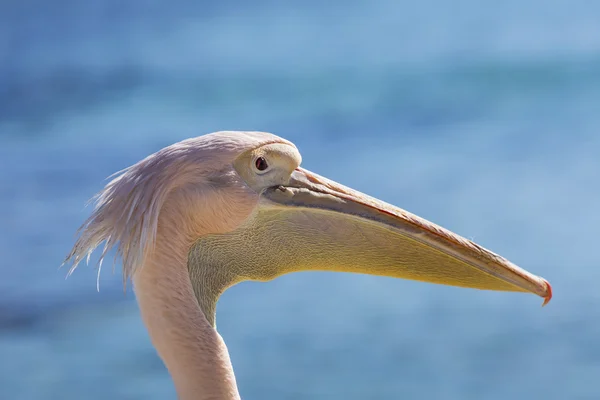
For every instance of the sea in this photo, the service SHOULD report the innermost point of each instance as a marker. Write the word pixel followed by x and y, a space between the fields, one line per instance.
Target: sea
pixel 483 117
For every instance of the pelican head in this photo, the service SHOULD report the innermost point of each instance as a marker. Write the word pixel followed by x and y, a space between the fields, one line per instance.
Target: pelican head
pixel 233 206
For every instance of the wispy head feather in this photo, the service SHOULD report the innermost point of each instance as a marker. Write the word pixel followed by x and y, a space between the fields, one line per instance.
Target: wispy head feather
pixel 125 216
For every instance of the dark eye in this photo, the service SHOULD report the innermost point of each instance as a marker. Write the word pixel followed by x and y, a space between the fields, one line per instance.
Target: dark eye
pixel 261 164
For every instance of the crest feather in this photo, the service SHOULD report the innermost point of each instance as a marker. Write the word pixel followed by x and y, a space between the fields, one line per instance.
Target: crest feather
pixel 125 216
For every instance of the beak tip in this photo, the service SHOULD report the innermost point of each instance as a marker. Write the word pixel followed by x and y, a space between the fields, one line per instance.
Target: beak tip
pixel 548 296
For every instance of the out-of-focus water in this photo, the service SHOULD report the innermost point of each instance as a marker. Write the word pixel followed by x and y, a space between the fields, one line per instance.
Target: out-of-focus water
pixel 484 118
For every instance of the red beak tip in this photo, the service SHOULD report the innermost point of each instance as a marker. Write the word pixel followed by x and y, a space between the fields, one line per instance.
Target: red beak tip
pixel 548 292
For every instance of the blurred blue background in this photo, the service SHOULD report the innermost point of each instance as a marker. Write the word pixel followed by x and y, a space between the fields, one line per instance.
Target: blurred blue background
pixel 482 117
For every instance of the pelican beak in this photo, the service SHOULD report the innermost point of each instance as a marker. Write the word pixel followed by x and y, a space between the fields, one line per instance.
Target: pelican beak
pixel 319 224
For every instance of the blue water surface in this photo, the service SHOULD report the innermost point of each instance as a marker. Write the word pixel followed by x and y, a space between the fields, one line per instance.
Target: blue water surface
pixel 482 117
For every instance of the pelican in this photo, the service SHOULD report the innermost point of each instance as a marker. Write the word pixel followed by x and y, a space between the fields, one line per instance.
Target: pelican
pixel 201 215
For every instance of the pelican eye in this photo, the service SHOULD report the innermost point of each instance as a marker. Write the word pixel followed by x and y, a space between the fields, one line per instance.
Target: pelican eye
pixel 261 164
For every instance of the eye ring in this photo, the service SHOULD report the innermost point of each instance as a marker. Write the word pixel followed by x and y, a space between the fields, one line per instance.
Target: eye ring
pixel 261 164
